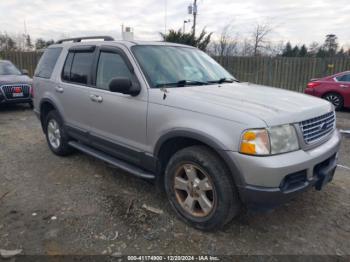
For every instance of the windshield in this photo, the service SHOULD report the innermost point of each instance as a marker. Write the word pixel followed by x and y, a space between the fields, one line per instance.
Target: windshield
pixel 179 66
pixel 7 68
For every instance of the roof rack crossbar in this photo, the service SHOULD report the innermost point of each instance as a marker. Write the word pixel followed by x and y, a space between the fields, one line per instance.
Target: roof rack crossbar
pixel 78 39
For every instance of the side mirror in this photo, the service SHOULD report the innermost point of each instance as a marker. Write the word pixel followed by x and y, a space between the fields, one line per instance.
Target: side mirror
pixel 25 72
pixel 123 85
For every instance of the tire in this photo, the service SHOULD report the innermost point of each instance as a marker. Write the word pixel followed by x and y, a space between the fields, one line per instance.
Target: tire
pixel 56 137
pixel 206 209
pixel 336 99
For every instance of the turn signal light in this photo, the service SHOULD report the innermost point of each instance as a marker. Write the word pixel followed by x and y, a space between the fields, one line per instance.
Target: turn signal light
pixel 255 142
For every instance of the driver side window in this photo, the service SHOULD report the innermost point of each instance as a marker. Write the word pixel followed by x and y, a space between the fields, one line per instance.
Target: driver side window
pixel 110 65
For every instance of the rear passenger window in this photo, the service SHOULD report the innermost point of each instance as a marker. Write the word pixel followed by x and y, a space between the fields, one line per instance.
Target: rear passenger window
pixel 81 67
pixel 77 68
pixel 47 62
pixel 110 65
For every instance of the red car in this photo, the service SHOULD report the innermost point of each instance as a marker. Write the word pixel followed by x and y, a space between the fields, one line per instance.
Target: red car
pixel 335 89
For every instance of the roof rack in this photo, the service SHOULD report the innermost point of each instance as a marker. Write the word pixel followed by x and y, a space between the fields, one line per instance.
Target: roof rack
pixel 78 39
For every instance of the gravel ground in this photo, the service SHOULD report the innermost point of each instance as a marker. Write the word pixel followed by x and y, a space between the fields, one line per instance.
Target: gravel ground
pixel 79 205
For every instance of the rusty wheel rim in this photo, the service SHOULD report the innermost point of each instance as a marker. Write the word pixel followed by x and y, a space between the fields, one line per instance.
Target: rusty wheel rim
pixel 194 190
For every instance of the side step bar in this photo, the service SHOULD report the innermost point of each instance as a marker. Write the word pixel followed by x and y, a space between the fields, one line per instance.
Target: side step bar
pixel 112 160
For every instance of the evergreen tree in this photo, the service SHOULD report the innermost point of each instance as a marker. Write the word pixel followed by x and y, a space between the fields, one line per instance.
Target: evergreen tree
pixel 11 44
pixel 295 51
pixel 50 42
pixel 287 51
pixel 28 43
pixel 7 43
pixel 188 38
pixel 331 44
pixel 321 53
pixel 303 51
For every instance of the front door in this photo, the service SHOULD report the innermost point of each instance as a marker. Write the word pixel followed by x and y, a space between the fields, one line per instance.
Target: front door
pixel 117 121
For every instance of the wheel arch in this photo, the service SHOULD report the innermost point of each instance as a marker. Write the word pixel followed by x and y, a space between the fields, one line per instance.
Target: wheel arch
pixel 46 105
pixel 173 141
pixel 336 93
pixel 332 92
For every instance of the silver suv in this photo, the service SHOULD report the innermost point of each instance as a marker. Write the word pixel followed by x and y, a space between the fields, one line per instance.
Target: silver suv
pixel 170 113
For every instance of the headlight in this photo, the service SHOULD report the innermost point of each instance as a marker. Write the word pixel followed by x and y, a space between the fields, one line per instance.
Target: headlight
pixel 283 139
pixel 271 141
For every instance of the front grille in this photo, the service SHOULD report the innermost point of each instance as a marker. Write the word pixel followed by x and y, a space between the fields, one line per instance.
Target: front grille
pixel 8 90
pixel 316 128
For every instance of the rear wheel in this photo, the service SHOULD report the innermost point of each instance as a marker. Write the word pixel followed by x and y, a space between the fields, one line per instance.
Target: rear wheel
pixel 200 189
pixel 56 137
pixel 336 99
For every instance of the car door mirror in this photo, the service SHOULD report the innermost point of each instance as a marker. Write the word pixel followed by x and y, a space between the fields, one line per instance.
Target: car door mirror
pixel 25 72
pixel 123 85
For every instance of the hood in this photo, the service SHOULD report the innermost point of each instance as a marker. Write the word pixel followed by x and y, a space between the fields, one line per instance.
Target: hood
pixel 234 101
pixel 15 79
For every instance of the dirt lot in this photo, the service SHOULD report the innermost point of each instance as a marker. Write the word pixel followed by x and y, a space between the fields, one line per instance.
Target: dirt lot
pixel 79 205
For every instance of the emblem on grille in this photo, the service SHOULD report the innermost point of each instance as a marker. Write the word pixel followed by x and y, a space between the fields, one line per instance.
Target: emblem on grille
pixel 16 89
pixel 323 126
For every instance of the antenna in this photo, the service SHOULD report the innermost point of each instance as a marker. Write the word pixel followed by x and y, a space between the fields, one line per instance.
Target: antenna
pixel 165 15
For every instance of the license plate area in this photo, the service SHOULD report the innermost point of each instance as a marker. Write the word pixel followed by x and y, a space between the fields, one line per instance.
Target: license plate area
pixel 17 94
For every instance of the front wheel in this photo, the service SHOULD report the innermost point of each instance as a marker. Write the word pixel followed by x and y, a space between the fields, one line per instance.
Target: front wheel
pixel 336 99
pixel 200 189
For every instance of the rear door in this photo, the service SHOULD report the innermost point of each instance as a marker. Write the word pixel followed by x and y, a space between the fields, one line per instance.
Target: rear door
pixel 117 121
pixel 74 90
pixel 344 88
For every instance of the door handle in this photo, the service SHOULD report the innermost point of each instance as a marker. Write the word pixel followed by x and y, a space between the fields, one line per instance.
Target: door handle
pixel 344 86
pixel 96 98
pixel 59 89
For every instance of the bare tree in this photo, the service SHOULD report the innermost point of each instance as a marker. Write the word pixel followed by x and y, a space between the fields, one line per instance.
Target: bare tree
pixel 7 43
pixel 314 47
pixel 274 48
pixel 227 44
pixel 260 37
pixel 246 48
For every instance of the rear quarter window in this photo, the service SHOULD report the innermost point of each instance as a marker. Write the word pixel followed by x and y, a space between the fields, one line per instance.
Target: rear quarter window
pixel 47 62
pixel 344 78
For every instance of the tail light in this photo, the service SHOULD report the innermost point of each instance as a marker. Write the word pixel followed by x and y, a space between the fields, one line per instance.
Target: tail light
pixel 313 84
pixel 31 90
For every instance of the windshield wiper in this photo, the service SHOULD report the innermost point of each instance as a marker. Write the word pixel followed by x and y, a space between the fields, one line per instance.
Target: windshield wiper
pixel 224 80
pixel 182 83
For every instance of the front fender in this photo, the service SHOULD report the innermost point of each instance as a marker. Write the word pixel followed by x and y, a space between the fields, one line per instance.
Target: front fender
pixel 210 141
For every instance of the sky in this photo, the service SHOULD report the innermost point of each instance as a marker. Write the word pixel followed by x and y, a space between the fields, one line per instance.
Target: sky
pixel 298 21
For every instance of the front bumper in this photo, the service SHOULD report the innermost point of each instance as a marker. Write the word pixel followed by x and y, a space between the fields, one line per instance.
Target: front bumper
pixel 15 101
pixel 271 181
pixel 4 100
